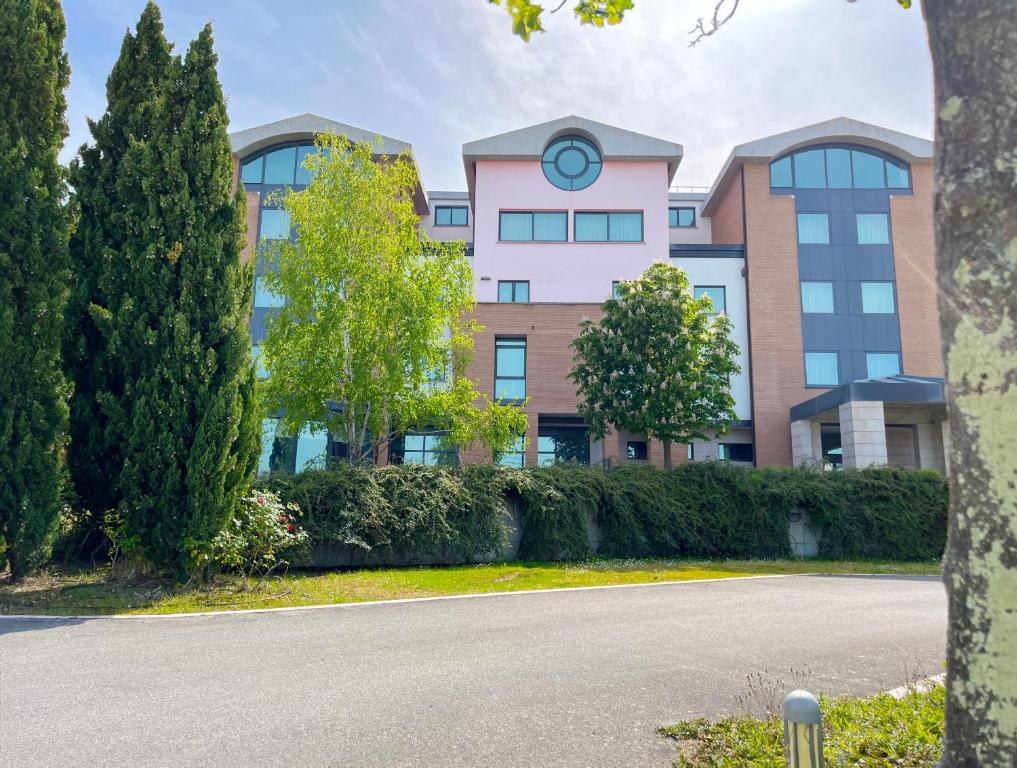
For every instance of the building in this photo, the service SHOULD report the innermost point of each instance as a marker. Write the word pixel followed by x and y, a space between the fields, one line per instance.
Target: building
pixel 816 242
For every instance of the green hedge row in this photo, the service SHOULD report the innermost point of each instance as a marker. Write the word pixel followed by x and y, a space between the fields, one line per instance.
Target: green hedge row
pixel 709 509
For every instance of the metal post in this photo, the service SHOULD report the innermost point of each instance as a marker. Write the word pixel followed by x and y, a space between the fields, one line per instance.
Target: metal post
pixel 803 731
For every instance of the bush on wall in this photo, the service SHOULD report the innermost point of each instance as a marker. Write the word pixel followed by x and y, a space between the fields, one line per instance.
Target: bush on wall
pixel 567 512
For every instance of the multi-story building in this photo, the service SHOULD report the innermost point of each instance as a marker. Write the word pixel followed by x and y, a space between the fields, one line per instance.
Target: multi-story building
pixel 816 242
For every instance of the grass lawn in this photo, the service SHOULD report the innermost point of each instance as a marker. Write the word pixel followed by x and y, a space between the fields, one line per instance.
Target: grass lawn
pixel 97 592
pixel 874 731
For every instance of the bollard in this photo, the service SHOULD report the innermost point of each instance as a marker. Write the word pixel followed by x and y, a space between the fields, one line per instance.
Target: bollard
pixel 803 731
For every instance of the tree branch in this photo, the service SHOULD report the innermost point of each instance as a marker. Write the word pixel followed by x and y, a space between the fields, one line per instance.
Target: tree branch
pixel 704 29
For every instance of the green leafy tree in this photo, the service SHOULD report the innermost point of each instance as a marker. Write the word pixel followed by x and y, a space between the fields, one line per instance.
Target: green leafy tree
pixel 375 336
pixel 974 56
pixel 108 214
pixel 33 277
pixel 657 363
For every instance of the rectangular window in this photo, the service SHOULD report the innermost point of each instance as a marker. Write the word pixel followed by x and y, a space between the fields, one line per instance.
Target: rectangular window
pixel 690 452
pixel 563 444
pixel 277 448
pixel 274 225
pixel 780 173
pixel 616 289
pixel 717 294
pixel 265 296
pixel 451 215
pixel 681 217
pixel 636 450
pixel 877 299
pixel 513 291
pixel 614 227
pixel 817 298
pixel 735 452
pixel 304 175
pixel 429 449
pixel 250 173
pixel 541 226
pixel 311 448
pixel 810 170
pixel 814 228
pixel 514 457
pixel 821 369
pixel 838 168
pixel 873 228
pixel 509 369
pixel 881 364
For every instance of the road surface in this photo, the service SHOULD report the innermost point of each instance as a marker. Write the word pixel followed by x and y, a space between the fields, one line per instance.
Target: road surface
pixel 567 678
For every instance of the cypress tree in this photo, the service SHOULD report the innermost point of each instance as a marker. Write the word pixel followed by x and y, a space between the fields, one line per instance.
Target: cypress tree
pixel 110 212
pixel 33 276
pixel 188 424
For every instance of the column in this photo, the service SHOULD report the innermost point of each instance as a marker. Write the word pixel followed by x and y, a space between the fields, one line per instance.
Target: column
pixel 803 446
pixel 863 434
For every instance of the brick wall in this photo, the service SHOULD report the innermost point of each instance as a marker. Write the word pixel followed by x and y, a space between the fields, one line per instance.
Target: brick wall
pixel 915 265
pixel 726 219
pixel 251 219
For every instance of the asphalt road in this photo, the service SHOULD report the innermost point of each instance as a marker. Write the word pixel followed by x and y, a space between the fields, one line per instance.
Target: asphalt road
pixel 574 678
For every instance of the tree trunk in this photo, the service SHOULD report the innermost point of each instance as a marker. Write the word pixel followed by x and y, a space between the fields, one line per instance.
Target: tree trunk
pixel 974 52
pixel 667 454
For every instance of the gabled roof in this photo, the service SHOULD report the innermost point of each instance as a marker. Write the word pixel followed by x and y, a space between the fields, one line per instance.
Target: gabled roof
pixel 839 129
pixel 305 126
pixel 529 144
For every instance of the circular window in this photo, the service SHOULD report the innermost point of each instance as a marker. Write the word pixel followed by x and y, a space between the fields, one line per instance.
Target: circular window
pixel 571 163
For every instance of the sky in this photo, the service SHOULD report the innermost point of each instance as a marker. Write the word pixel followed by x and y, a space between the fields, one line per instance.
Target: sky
pixel 439 73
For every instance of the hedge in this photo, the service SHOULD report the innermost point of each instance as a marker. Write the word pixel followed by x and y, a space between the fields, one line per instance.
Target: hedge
pixel 569 512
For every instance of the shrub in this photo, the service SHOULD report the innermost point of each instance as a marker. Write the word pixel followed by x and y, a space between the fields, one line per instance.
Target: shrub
pixel 567 512
pixel 257 535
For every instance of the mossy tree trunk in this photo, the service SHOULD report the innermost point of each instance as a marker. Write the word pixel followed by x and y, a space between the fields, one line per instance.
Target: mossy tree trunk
pixel 974 50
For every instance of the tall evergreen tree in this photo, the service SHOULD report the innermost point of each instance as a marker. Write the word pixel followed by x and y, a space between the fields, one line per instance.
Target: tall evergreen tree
pixel 110 212
pixel 33 276
pixel 189 426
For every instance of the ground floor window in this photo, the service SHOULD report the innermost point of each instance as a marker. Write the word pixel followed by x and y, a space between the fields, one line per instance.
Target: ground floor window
pixel 636 450
pixel 281 452
pixel 515 456
pixel 829 436
pixel 428 448
pixel 735 452
pixel 562 439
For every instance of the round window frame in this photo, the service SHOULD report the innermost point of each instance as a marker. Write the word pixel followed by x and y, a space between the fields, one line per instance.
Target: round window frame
pixel 571 182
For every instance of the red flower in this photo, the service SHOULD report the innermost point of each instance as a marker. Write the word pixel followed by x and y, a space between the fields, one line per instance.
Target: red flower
pixel 290 527
pixel 261 500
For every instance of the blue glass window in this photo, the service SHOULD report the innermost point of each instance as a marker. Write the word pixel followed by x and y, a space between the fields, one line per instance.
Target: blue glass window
pixel 814 228
pixel 303 175
pixel 563 444
pixel 571 163
pixel 259 362
pixel 810 170
pixel 780 173
pixel 897 176
pixel 515 456
pixel 280 165
pixel 838 168
pixel 265 296
pixel 717 294
pixel 868 170
pixel 882 364
pixel 817 298
pixel 275 224
pixel 513 291
pixel 509 369
pixel 451 215
pixel 430 449
pixel 681 217
pixel 250 172
pixel 877 298
pixel 873 229
pixel 525 226
pixel 821 369
pixel 616 289
pixel 615 227
pixel 268 445
pixel 311 448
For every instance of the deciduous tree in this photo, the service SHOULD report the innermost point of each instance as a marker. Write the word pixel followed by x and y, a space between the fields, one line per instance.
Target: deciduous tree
pixel 658 363
pixel 33 277
pixel 375 335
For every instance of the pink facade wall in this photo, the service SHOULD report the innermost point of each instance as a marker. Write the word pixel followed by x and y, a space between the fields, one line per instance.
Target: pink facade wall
pixel 568 271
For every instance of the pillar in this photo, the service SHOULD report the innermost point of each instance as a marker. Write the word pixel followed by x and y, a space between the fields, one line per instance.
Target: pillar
pixel 863 433
pixel 803 443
